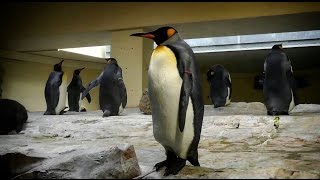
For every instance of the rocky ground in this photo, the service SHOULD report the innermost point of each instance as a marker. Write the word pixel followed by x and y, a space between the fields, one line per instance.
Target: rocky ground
pixel 237 141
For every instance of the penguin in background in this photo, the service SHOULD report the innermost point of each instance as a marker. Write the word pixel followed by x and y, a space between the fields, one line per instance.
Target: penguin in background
pixel 75 90
pixel 220 85
pixel 279 88
pixel 13 116
pixel 56 91
pixel 112 91
pixel 176 98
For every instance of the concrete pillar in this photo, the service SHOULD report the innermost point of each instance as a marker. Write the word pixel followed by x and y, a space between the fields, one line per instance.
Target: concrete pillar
pixel 133 55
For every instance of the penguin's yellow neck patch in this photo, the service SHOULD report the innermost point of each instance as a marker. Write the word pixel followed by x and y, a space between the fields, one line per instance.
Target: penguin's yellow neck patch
pixel 170 32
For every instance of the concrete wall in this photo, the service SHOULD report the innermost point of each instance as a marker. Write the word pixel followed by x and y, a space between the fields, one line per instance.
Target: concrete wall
pixel 133 55
pixel 25 82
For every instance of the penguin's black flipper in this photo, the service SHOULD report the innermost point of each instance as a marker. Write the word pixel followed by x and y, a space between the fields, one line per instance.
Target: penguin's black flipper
pixel 184 60
pixel 87 96
pixel 123 92
pixel 184 99
pixel 92 84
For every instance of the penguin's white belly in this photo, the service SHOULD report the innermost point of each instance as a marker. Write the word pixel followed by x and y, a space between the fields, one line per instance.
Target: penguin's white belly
pixel 80 101
pixel 228 100
pixel 120 108
pixel 292 104
pixel 164 88
pixel 63 95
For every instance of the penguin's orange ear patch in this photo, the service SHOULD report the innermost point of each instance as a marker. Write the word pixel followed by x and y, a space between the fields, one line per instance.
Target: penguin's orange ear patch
pixel 170 32
pixel 212 73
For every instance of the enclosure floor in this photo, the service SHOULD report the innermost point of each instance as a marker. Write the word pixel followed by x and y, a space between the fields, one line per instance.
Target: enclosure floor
pixel 237 141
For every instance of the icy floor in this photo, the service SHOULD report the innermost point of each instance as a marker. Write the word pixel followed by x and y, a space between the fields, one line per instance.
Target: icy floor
pixel 237 141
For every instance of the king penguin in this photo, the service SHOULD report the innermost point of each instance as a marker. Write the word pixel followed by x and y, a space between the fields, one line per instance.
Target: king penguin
pixel 13 116
pixel 56 91
pixel 75 90
pixel 176 98
pixel 220 85
pixel 279 88
pixel 112 92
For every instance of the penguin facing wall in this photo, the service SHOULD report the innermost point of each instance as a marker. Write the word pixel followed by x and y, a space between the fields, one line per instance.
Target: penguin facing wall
pixel 56 91
pixel 112 92
pixel 175 93
pixel 279 88
pixel 75 90
pixel 13 116
pixel 220 85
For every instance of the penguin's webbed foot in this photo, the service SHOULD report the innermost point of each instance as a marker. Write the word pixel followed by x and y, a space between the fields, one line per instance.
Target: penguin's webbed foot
pixel 49 113
pixel 62 112
pixel 175 167
pixel 83 110
pixel 277 113
pixel 106 113
pixel 161 164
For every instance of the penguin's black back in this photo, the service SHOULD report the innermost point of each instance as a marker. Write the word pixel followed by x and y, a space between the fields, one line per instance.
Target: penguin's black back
pixel 279 81
pixel 110 96
pixel 52 91
pixel 74 89
pixel 13 116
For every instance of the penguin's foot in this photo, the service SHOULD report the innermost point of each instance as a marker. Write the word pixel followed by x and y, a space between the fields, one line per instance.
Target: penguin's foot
pixel 83 110
pixel 106 113
pixel 161 164
pixel 62 112
pixel 277 113
pixel 49 113
pixel 174 167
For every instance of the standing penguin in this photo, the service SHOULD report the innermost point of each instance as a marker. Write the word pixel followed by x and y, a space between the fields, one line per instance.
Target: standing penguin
pixel 279 88
pixel 75 89
pixel 176 99
pixel 112 92
pixel 56 91
pixel 220 85
pixel 13 116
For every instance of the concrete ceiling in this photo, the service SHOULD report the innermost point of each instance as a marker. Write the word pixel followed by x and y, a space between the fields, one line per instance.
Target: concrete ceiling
pixel 42 28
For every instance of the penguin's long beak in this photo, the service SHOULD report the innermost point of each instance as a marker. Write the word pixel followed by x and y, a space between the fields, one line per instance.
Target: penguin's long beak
pixel 60 63
pixel 81 69
pixel 146 35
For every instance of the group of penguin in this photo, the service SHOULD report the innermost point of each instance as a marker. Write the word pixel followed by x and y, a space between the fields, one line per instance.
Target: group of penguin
pixel 279 85
pixel 175 93
pixel 112 93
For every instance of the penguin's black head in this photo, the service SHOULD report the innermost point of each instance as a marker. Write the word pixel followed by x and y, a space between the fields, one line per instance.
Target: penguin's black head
pixel 277 46
pixel 77 71
pixel 57 67
pixel 111 61
pixel 160 35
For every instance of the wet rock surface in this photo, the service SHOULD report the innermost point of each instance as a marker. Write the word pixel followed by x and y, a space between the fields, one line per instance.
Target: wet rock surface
pixel 237 141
